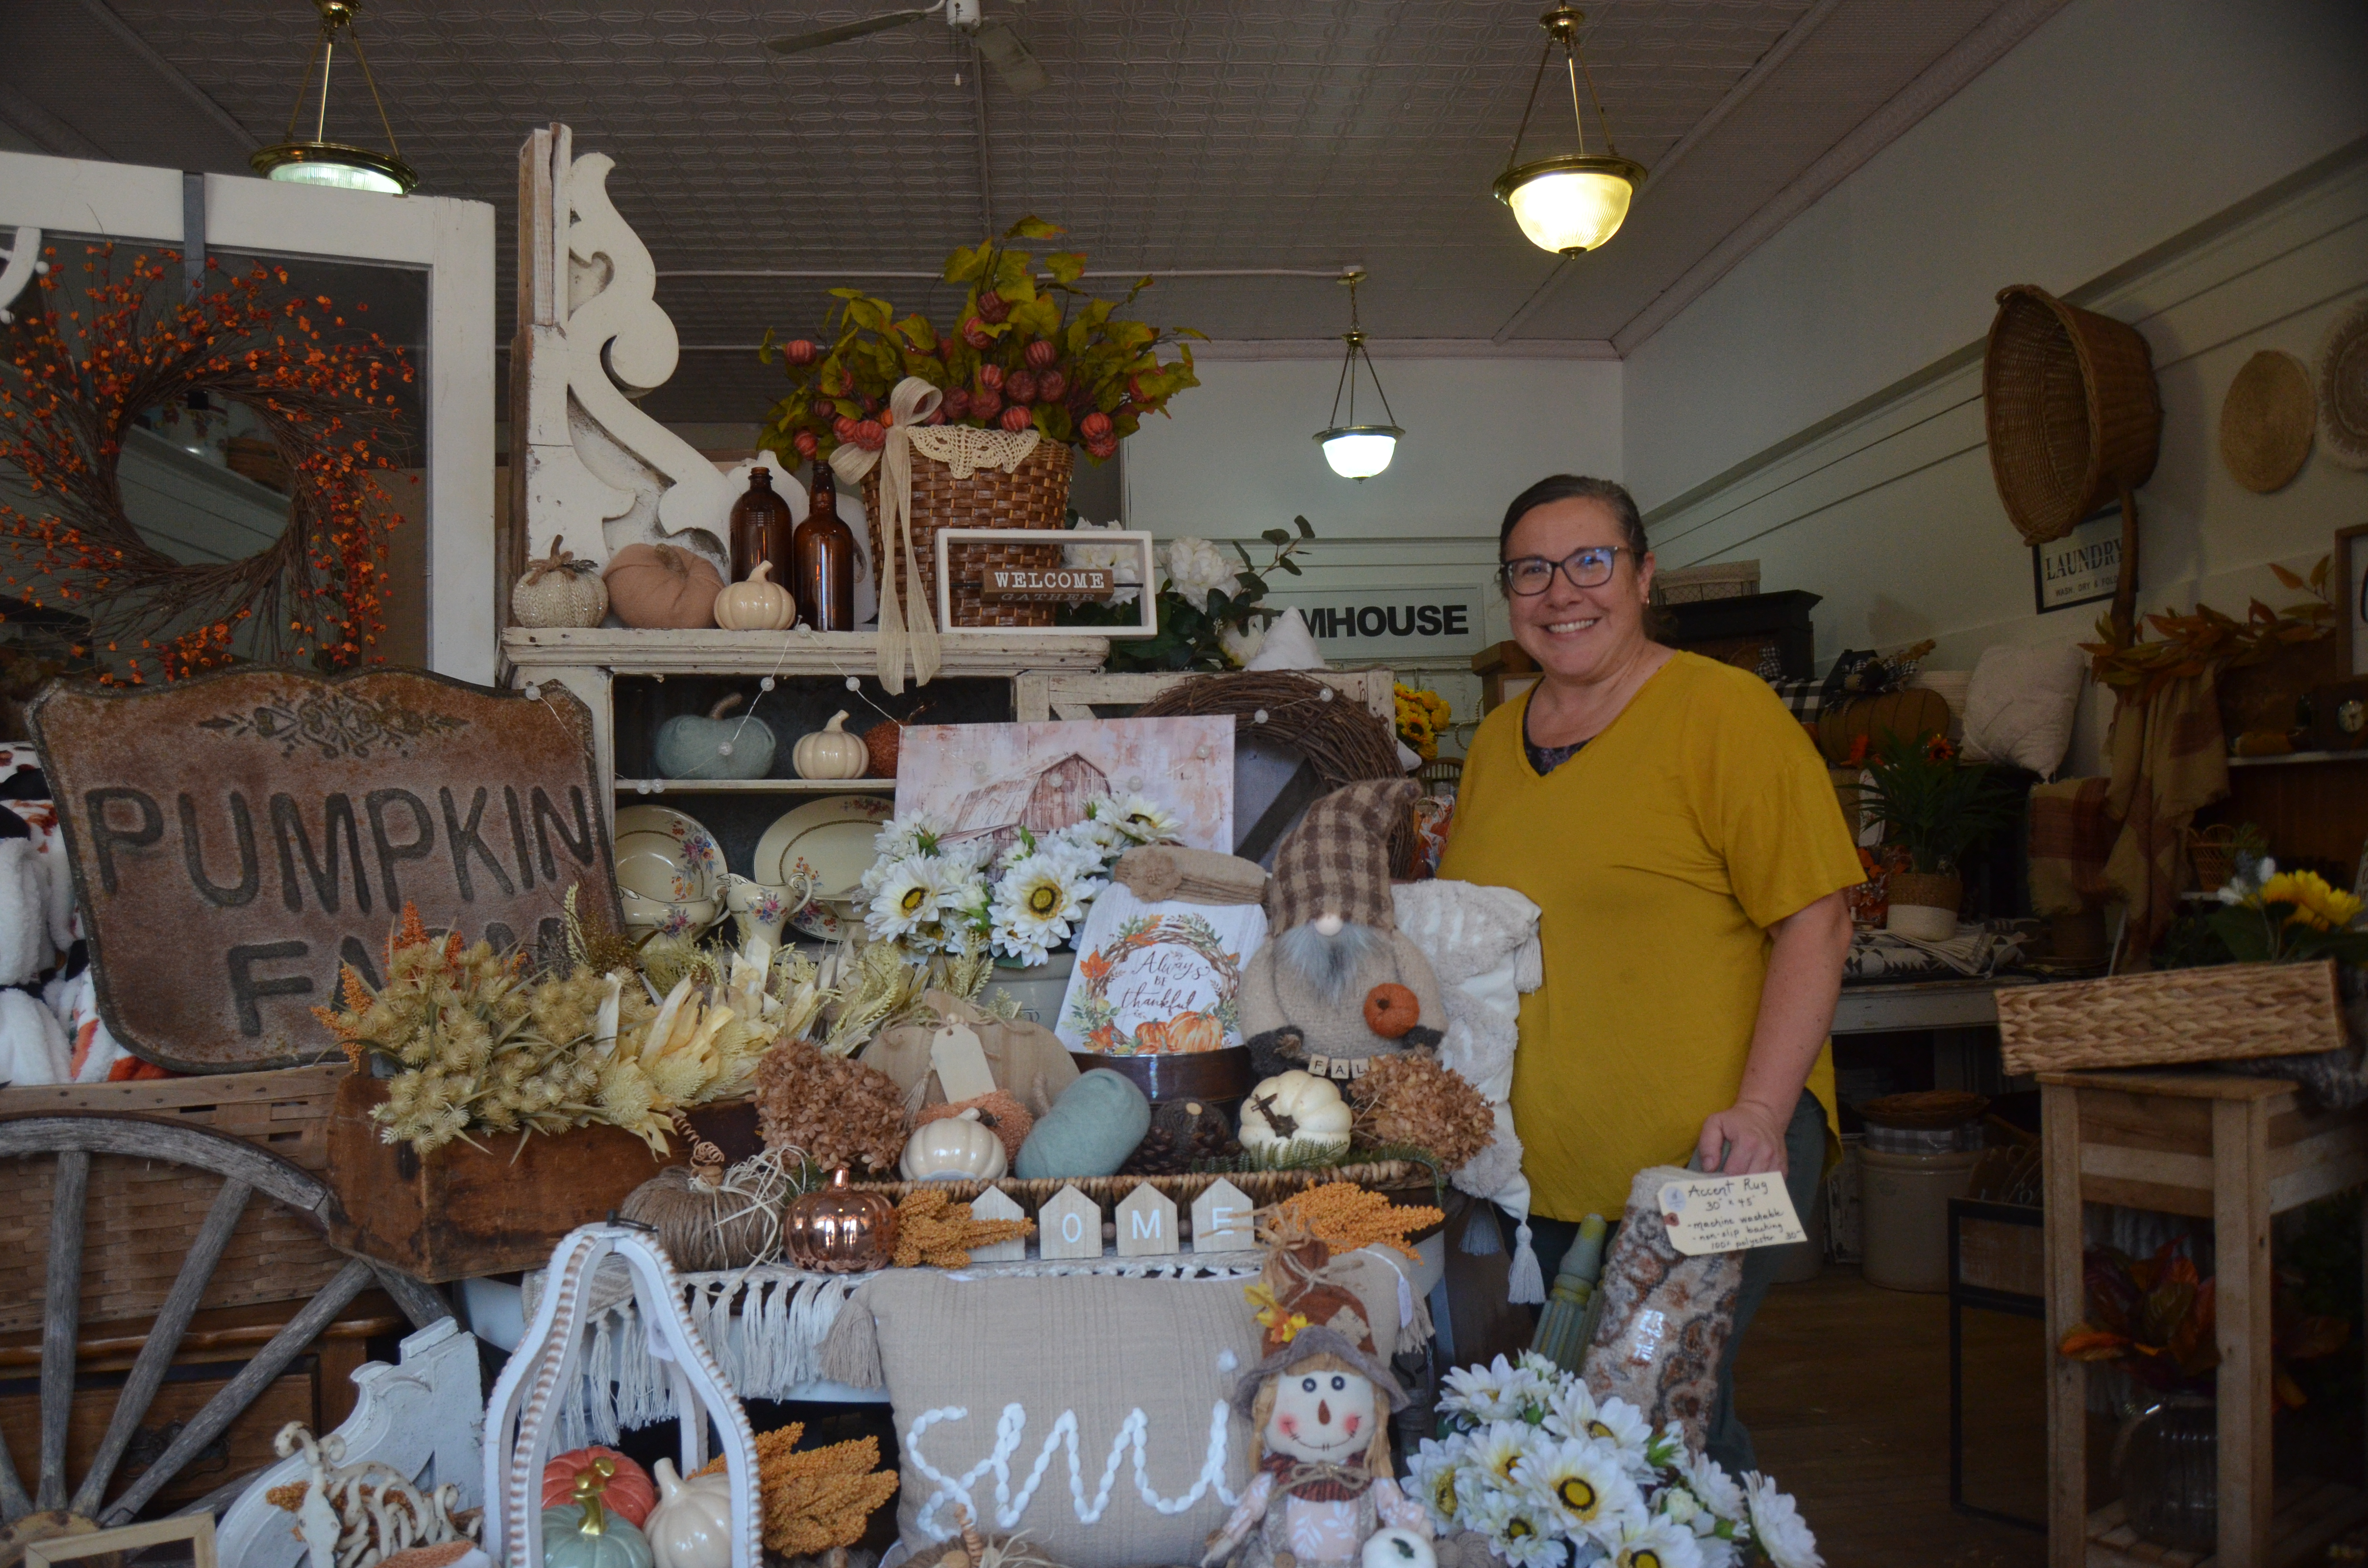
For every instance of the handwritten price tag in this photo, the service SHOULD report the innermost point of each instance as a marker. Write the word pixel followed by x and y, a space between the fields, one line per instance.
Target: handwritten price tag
pixel 1729 1214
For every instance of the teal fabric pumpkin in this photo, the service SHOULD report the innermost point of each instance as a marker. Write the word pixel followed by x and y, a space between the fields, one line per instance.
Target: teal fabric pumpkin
pixel 1089 1131
pixel 566 1543
pixel 714 746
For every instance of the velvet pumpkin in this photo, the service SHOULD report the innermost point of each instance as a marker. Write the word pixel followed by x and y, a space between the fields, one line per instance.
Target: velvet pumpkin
pixel 1089 1131
pixel 663 587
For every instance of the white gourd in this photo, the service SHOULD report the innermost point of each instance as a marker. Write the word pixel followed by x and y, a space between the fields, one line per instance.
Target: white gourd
pixel 756 604
pixel 559 590
pixel 954 1148
pixel 1296 1107
pixel 691 1525
pixel 831 753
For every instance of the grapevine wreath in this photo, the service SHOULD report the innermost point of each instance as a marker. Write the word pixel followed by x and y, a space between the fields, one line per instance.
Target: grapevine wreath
pixel 87 357
pixel 1339 736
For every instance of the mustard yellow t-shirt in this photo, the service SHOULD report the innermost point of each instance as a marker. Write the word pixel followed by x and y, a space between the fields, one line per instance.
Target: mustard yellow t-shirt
pixel 1660 853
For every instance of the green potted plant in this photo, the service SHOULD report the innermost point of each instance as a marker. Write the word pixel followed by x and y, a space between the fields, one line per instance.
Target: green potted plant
pixel 1933 807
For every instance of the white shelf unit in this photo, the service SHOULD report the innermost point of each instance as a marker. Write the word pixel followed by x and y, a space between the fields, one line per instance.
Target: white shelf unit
pixel 588 662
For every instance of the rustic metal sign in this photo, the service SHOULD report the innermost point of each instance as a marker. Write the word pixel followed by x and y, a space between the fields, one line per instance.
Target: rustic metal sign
pixel 998 583
pixel 236 837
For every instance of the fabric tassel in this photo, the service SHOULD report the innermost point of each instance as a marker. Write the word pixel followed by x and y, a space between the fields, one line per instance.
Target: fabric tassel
pixel 851 1354
pixel 1525 1281
pixel 1480 1238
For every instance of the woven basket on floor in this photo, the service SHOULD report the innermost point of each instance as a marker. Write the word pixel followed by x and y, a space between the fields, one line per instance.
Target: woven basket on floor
pixel 2221 1013
pixel 2069 399
pixel 1037 496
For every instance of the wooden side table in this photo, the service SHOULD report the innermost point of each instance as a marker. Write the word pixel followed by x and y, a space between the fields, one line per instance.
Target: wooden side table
pixel 2214 1146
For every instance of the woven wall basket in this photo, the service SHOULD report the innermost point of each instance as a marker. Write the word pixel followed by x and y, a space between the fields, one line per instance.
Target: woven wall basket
pixel 1037 496
pixel 2225 1013
pixel 2074 419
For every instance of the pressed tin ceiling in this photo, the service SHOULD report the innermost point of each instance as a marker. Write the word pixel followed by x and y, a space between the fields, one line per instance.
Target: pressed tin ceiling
pixel 1176 136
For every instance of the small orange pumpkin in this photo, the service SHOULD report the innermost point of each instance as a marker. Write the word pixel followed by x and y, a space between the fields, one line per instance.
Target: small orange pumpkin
pixel 1195 1031
pixel 1391 1010
pixel 631 1494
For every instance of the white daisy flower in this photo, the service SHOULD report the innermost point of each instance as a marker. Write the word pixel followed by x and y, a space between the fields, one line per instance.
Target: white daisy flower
pixel 1716 1490
pixel 1517 1529
pixel 907 898
pixel 1498 1449
pixel 1646 1542
pixel 1483 1393
pixel 1664 1451
pixel 1142 819
pixel 915 834
pixel 1582 1486
pixel 1570 1409
pixel 1677 1503
pixel 1777 1525
pixel 1622 1425
pixel 1035 902
pixel 1439 1473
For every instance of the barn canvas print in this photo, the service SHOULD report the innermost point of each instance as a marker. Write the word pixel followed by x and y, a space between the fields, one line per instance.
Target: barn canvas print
pixel 990 782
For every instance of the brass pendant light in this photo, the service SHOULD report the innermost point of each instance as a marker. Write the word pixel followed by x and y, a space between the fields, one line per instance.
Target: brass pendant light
pixel 323 162
pixel 1358 451
pixel 1576 201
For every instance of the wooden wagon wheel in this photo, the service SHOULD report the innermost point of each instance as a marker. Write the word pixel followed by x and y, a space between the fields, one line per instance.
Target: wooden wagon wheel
pixel 49 1511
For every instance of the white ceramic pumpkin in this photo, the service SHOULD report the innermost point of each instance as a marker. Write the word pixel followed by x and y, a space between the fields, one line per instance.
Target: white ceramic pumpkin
pixel 559 590
pixel 691 1525
pixel 1296 1107
pixel 756 604
pixel 831 753
pixel 954 1148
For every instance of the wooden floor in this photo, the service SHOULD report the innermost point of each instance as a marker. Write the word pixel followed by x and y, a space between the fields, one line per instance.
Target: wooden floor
pixel 1845 1389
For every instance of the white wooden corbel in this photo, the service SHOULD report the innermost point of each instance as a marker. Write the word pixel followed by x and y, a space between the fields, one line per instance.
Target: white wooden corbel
pixel 523 1412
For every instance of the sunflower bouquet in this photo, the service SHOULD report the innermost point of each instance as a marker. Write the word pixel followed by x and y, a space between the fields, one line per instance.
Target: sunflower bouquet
pixel 2274 916
pixel 1538 1466
pixel 932 891
pixel 1422 715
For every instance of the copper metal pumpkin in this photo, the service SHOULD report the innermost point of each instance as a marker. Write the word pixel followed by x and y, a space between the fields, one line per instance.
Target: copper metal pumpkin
pixel 839 1230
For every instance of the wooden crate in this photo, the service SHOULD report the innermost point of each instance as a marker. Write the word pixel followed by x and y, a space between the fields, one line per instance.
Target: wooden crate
pixel 465 1211
pixel 138 1216
pixel 2236 1151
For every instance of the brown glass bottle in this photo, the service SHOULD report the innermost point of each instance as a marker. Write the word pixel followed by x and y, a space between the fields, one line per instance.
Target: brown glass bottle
pixel 760 529
pixel 823 552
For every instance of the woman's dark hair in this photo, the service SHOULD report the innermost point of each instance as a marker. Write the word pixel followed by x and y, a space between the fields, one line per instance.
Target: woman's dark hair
pixel 1575 487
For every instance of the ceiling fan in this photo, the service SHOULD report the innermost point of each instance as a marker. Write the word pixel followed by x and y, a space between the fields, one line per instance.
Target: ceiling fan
pixel 997 44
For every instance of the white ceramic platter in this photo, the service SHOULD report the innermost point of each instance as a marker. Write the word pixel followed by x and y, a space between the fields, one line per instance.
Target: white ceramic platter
pixel 830 840
pixel 668 856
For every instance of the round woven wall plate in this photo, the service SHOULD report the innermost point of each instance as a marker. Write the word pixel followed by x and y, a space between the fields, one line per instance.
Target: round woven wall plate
pixel 2342 385
pixel 2267 420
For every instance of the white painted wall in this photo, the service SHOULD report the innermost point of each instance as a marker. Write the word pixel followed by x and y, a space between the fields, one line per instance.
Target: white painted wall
pixel 1238 456
pixel 2115 127
pixel 1894 518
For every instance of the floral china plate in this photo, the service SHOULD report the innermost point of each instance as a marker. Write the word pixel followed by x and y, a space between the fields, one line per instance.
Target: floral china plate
pixel 829 840
pixel 667 856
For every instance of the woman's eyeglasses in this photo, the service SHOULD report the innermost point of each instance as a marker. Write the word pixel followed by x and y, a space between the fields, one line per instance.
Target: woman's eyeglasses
pixel 1530 576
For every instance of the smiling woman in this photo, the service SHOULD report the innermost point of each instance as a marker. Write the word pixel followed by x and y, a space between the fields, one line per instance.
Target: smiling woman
pixel 1680 833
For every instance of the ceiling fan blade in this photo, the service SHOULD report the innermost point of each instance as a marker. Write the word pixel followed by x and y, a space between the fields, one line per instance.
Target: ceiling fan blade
pixel 798 43
pixel 1021 71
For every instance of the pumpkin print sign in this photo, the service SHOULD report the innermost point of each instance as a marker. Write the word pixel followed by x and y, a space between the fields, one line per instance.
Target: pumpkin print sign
pixel 235 837
pixel 1158 979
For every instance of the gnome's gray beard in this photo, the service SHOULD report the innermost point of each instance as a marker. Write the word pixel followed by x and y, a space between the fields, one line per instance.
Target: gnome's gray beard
pixel 1328 963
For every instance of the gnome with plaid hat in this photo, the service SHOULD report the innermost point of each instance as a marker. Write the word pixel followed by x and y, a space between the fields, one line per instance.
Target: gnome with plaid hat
pixel 1320 1400
pixel 1336 984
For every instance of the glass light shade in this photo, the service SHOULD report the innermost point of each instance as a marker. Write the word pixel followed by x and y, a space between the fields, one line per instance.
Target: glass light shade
pixel 1360 451
pixel 335 165
pixel 1570 204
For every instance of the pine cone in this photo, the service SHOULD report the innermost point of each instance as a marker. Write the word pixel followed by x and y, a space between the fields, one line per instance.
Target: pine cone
pixel 835 1112
pixel 1156 1156
pixel 1411 1099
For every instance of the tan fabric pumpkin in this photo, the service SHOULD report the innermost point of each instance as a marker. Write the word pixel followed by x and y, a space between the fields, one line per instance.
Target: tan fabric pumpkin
pixel 663 586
